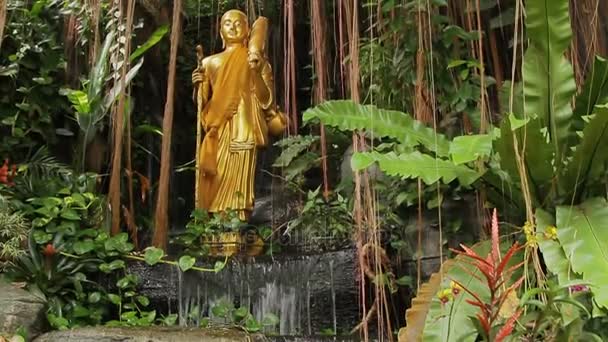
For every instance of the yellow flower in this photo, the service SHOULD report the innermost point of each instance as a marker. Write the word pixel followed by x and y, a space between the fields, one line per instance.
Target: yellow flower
pixel 531 240
pixel 528 228
pixel 529 231
pixel 551 232
pixel 455 288
pixel 445 295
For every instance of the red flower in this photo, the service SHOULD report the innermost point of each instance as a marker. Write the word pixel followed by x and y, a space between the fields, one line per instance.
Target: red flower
pixel 4 172
pixel 507 329
pixel 7 173
pixel 49 250
pixel 579 288
pixel 495 271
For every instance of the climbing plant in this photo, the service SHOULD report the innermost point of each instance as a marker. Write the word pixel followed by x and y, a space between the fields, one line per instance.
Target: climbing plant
pixel 31 74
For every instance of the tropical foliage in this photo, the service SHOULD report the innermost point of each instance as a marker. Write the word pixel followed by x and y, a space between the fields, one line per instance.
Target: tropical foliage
pixel 441 129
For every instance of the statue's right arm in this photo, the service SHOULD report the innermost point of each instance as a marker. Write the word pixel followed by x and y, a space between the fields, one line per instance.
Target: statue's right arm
pixel 201 83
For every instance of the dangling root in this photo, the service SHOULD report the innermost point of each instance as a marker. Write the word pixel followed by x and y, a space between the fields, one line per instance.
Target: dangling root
pixel 366 260
pixel 367 318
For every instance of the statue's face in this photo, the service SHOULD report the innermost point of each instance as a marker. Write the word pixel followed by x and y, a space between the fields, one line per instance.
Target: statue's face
pixel 234 27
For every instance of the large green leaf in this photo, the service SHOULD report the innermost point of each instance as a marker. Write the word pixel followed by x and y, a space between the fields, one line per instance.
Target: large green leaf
pixel 351 116
pixel 590 158
pixel 511 97
pixel 535 151
pixel 553 254
pixel 466 148
pixel 416 165
pixel 582 233
pixel 548 76
pixel 450 322
pixel 416 315
pixel 504 146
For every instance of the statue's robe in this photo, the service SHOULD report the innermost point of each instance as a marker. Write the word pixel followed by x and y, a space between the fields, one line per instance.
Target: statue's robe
pixel 235 127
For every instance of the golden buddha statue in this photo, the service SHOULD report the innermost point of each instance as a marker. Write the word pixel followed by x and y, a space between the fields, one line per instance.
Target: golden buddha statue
pixel 236 110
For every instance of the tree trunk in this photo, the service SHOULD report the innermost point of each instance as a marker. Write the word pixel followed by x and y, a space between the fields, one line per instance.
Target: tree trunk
pixel 161 219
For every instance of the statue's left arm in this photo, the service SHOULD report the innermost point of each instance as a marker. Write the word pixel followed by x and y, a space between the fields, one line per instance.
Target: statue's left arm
pixel 263 84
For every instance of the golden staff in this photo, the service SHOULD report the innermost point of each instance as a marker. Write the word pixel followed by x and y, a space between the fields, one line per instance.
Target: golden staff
pixel 198 96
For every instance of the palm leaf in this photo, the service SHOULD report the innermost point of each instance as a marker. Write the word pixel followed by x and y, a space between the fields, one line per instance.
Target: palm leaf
pixel 416 165
pixel 548 76
pixel 581 230
pixel 350 116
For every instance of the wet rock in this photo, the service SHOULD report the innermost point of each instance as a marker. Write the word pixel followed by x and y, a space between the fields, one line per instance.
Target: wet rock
pixel 150 334
pixel 20 309
pixel 275 209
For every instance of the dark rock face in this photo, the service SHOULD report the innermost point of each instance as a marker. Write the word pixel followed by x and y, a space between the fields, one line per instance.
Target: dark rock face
pixel 308 293
pixel 154 334
pixel 19 308
pixel 275 209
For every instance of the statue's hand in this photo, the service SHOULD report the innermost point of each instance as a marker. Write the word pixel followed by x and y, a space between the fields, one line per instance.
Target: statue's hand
pixel 197 77
pixel 255 61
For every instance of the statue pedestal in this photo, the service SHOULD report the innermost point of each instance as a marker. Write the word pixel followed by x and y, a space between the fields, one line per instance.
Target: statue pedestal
pixel 233 243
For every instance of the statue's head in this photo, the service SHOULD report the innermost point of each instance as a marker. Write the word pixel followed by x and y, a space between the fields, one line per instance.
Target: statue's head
pixel 234 27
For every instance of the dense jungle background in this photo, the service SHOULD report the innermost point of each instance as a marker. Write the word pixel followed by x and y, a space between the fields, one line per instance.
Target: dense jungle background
pixel 450 151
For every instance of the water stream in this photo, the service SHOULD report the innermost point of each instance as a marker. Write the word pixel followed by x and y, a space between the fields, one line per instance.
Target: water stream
pixel 308 293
